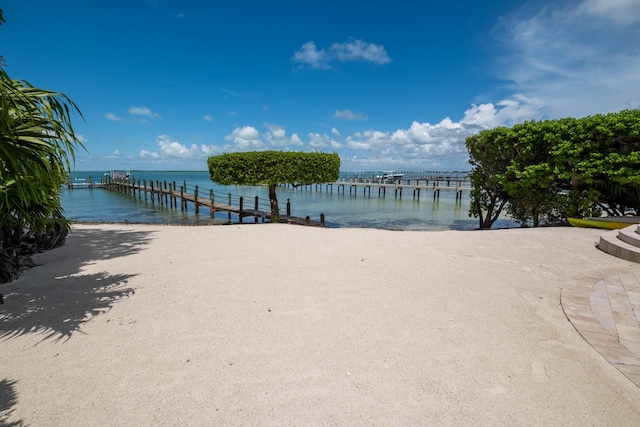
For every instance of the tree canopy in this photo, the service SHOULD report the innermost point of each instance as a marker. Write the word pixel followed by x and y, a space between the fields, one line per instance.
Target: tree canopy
pixel 546 171
pixel 272 168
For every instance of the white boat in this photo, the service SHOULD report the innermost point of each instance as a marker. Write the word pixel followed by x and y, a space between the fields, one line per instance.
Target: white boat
pixel 115 174
pixel 389 176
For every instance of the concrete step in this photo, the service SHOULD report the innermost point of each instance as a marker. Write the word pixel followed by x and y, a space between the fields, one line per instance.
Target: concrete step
pixel 611 243
pixel 630 235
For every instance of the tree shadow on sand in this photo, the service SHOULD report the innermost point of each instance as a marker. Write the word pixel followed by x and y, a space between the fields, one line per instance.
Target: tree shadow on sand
pixel 57 301
pixel 8 399
pixel 60 303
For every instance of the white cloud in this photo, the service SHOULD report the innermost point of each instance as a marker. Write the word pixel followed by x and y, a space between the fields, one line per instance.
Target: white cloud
pixel 319 141
pixel 577 60
pixel 277 136
pixel 310 55
pixel 623 12
pixel 149 155
pixel 143 111
pixel 113 117
pixel 210 150
pixel 421 145
pixel 352 50
pixel 169 150
pixel 208 118
pixel 358 50
pixel 245 138
pixel 349 115
pixel 441 145
pixel 295 140
pixel 506 112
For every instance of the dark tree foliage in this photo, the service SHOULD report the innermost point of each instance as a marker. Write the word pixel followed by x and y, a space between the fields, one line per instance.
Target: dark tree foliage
pixel 272 168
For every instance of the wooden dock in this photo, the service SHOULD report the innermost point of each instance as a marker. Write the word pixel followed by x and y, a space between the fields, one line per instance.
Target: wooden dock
pixel 172 195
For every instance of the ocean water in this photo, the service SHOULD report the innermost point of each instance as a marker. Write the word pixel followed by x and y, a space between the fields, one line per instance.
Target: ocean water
pixel 340 209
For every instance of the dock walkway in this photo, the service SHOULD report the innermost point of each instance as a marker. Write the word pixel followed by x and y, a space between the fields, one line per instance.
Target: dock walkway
pixel 170 194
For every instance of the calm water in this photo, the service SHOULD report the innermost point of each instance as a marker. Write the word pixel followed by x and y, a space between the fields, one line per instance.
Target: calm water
pixel 340 210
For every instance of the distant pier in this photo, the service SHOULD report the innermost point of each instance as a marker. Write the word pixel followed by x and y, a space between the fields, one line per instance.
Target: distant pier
pixel 415 185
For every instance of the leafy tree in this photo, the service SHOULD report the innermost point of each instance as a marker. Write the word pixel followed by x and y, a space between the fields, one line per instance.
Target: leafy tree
pixel 546 171
pixel 272 168
pixel 490 152
pixel 37 144
pixel 531 185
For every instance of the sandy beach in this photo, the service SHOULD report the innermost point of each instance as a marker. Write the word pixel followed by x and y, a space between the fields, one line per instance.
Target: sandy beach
pixel 287 325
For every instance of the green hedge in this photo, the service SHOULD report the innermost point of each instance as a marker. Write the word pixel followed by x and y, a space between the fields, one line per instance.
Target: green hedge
pixel 273 167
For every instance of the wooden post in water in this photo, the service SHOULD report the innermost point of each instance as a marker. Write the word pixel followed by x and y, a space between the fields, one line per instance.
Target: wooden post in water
pixel 153 198
pixel 212 211
pixel 256 207
pixel 160 198
pixel 165 193
pixel 240 215
pixel 181 198
pixel 195 201
pixel 322 219
pixel 288 207
pixel 229 205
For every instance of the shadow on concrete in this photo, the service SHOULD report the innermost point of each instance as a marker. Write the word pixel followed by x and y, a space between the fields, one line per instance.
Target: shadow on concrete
pixel 8 399
pixel 58 300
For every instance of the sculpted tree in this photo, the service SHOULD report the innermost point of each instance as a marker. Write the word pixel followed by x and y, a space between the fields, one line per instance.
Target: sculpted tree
pixel 272 168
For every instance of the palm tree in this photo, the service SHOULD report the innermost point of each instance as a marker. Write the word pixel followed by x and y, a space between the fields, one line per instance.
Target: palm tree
pixel 37 145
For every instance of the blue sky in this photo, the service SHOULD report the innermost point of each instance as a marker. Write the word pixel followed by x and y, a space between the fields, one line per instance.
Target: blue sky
pixel 389 85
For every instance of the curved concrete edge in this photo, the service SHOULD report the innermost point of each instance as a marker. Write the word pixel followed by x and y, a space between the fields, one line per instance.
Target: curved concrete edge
pixel 607 316
pixel 622 243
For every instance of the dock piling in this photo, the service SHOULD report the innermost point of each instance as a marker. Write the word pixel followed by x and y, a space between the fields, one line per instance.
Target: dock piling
pixel 196 204
pixel 256 208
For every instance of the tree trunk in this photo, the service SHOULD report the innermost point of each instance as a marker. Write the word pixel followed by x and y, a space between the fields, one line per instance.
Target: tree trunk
pixel 273 200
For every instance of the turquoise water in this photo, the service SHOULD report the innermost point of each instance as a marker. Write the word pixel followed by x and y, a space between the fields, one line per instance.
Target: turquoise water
pixel 340 210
